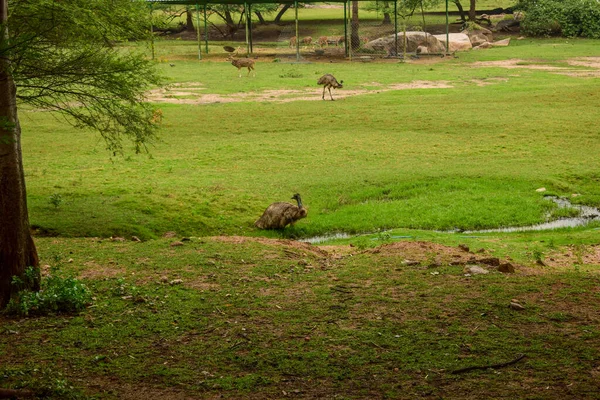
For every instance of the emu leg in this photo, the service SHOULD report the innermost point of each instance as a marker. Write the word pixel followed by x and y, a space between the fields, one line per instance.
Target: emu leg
pixel 330 93
pixel 323 97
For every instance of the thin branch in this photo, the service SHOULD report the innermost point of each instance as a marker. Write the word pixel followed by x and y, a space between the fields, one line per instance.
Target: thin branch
pixel 500 365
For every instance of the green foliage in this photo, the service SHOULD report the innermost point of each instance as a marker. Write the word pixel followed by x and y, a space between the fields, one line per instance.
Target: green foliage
pixel 64 58
pixel 57 295
pixel 577 18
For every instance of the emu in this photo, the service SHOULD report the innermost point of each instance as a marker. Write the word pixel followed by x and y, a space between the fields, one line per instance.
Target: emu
pixel 242 63
pixel 328 81
pixel 279 215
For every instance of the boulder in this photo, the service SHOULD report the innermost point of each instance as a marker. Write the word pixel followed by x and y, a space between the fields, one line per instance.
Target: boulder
pixel 414 40
pixel 477 39
pixel 485 45
pixel 501 43
pixel 458 41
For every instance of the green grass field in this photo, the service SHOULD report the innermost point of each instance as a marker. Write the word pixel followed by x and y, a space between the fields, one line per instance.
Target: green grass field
pixel 388 314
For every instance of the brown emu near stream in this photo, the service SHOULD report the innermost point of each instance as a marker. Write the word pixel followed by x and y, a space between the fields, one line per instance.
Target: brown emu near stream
pixel 279 215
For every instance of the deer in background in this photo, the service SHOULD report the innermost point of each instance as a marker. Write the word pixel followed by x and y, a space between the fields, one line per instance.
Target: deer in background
pixel 323 41
pixel 293 41
pixel 242 63
pixel 307 41
pixel 328 81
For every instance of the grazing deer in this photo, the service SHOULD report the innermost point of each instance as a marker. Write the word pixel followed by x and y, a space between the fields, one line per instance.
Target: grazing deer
pixel 307 41
pixel 293 41
pixel 323 41
pixel 328 81
pixel 242 63
pixel 339 41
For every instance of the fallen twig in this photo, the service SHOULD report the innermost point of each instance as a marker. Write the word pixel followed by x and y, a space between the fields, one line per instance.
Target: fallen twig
pixel 500 365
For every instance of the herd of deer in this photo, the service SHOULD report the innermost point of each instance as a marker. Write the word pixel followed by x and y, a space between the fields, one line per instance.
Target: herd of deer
pixel 323 41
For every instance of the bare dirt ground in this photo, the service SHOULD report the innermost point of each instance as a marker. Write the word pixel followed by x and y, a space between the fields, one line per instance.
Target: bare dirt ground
pixel 433 254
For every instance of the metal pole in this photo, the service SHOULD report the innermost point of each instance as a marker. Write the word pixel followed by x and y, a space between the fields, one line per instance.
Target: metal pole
pixel 198 32
pixel 297 32
pixel 151 31
pixel 396 28
pixel 247 32
pixel 425 31
pixel 447 30
pixel 249 17
pixel 345 28
pixel 205 29
pixel 349 40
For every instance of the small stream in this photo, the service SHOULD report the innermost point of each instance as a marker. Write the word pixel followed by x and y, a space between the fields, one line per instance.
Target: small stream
pixel 586 215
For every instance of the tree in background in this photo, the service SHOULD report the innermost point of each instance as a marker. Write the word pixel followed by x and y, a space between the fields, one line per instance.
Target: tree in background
pixel 61 56
pixel 554 17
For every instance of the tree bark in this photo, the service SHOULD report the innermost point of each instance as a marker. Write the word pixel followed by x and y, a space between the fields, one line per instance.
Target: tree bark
pixel 260 17
pixel 189 21
pixel 281 12
pixel 17 250
pixel 472 11
pixel 354 36
pixel 461 11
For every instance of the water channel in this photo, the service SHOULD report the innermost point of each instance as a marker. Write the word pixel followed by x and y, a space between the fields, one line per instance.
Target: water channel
pixel 586 215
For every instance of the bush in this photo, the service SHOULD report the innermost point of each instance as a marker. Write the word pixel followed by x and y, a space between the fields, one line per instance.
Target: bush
pixel 576 18
pixel 57 295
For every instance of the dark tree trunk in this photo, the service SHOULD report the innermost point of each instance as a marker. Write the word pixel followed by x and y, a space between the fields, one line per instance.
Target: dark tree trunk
pixel 232 27
pixel 472 12
pixel 461 11
pixel 387 19
pixel 17 250
pixel 189 20
pixel 354 36
pixel 260 17
pixel 281 12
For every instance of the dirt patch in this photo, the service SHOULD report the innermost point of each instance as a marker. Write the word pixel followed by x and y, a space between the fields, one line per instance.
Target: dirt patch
pixel 588 62
pixel 184 94
pixel 574 256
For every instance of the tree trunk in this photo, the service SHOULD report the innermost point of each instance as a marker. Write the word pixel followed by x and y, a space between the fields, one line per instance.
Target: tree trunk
pixel 260 17
pixel 472 12
pixel 17 250
pixel 354 36
pixel 281 12
pixel 387 19
pixel 189 20
pixel 461 11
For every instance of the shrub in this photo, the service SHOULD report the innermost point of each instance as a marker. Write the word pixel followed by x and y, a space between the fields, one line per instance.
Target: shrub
pixel 576 18
pixel 57 295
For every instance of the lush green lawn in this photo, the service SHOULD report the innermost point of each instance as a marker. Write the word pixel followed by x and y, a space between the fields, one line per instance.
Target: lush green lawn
pixel 391 316
pixel 468 157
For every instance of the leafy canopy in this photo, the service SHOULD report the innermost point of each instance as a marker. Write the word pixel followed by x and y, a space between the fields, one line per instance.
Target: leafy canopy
pixel 63 57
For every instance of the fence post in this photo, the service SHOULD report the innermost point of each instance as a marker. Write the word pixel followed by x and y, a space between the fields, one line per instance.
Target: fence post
pixel 198 32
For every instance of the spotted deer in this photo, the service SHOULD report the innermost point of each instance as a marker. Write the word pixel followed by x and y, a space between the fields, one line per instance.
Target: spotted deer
pixel 307 41
pixel 323 42
pixel 328 81
pixel 293 41
pixel 242 63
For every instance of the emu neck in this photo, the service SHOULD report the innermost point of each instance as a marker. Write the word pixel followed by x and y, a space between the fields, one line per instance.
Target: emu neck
pixel 299 200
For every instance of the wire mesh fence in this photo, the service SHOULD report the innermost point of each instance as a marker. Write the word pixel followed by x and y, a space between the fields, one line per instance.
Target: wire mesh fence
pixel 316 30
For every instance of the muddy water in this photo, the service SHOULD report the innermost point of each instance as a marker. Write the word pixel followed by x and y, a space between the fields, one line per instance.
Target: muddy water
pixel 586 215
